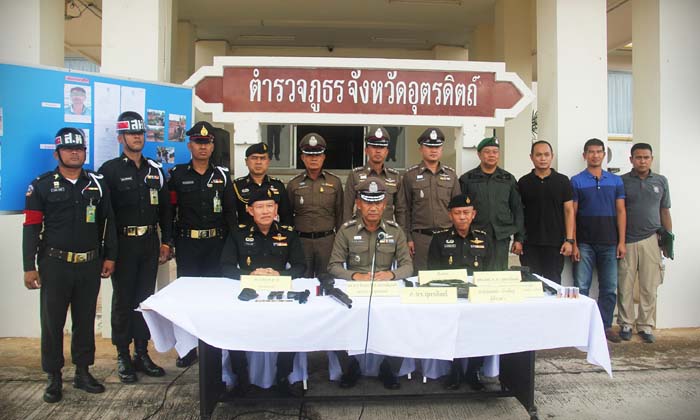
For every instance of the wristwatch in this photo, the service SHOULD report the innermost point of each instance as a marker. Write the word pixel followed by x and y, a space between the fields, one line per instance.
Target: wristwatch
pixel 571 241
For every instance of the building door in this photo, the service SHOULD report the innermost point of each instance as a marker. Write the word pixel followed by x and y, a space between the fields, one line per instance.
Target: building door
pixel 344 145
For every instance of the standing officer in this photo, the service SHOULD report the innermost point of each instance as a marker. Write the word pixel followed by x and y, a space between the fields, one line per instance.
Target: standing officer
pixel 376 149
pixel 68 216
pixel 203 209
pixel 428 188
pixel 263 247
pixel 316 198
pixel 258 161
pixel 500 210
pixel 357 241
pixel 460 246
pixel 141 203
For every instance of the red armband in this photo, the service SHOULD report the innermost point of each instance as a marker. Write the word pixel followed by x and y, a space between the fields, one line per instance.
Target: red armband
pixel 173 197
pixel 33 217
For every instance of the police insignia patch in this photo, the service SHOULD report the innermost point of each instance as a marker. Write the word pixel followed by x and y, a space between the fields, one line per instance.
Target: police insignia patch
pixel 30 190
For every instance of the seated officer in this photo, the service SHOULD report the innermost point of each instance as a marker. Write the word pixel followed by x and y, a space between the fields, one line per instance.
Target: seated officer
pixel 263 248
pixel 461 247
pixel 355 243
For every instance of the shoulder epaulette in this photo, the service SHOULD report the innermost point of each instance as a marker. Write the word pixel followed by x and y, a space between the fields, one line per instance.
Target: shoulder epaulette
pixel 330 173
pixel 442 230
pixel 297 176
pixel 480 232
pixel 447 168
pixel 272 178
pixel 350 223
pixel 391 223
pixel 416 166
pixel 358 169
pixel 240 178
pixel 44 175
pixel 285 227
pixel 153 163
pixel 396 171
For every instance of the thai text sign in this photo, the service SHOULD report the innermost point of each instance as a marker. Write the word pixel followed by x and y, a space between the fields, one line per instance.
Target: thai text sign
pixel 453 93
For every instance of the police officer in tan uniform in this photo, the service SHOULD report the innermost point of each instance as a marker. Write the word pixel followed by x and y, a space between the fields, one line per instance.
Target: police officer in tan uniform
pixel 428 188
pixel 355 244
pixel 316 199
pixel 376 149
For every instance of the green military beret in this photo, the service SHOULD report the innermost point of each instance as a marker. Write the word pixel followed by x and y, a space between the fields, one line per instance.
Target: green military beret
pixel 488 141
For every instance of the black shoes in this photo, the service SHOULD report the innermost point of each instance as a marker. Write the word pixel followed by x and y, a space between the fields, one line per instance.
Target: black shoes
pixel 387 377
pixel 647 337
pixel 352 375
pixel 286 389
pixel 473 379
pixel 189 359
pixel 143 363
pixel 125 369
pixel 455 378
pixel 54 388
pixel 625 333
pixel 85 381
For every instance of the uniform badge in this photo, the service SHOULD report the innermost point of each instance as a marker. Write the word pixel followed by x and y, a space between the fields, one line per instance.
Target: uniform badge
pixel 357 238
pixel 449 261
pixel 356 258
pixel 247 261
pixel 476 241
pixel 320 188
pixel 312 141
pixel 279 237
pixel 449 241
pixel 433 135
pixel 476 263
pixel 30 190
pixel 378 134
pixel 204 131
pixel 249 239
pixel 419 176
pixel 301 200
pixel 421 194
pixel 656 189
pixel 363 177
pixel 245 190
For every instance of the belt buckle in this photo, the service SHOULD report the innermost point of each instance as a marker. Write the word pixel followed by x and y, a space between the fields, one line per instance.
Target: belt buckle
pixel 206 234
pixel 141 230
pixel 130 230
pixel 194 234
pixel 80 257
pixel 69 256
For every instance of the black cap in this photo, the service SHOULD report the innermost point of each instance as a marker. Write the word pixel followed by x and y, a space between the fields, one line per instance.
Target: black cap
pixel 263 194
pixel 371 190
pixel 70 138
pixel 377 136
pixel 461 200
pixel 431 137
pixel 201 132
pixel 256 149
pixel 312 144
pixel 130 122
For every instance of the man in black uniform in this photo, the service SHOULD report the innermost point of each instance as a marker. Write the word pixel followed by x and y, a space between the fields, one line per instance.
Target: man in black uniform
pixel 203 209
pixel 461 247
pixel 68 216
pixel 258 161
pixel 141 202
pixel 263 247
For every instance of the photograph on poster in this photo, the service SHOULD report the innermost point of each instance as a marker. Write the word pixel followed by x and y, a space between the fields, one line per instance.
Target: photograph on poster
pixel 77 103
pixel 177 126
pixel 165 154
pixel 155 121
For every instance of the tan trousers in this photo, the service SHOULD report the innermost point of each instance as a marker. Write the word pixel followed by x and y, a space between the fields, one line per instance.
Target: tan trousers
pixel 641 263
pixel 422 244
pixel 317 253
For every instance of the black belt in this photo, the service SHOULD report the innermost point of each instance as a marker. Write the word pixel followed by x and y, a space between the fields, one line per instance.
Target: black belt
pixel 72 257
pixel 201 233
pixel 430 232
pixel 138 230
pixel 314 235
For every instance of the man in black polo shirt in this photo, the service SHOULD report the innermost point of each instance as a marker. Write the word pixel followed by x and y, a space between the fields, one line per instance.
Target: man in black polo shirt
pixel 549 215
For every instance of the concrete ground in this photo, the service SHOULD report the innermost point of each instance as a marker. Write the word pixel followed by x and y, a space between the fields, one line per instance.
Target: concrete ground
pixel 651 381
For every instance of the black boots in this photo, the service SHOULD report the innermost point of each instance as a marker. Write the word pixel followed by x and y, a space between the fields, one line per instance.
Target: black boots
pixel 188 360
pixel 351 374
pixel 85 381
pixel 54 388
pixel 239 366
pixel 124 367
pixel 387 376
pixel 473 379
pixel 455 377
pixel 143 362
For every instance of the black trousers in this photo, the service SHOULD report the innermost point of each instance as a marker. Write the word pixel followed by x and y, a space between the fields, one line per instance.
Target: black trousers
pixel 345 359
pixel 66 284
pixel 475 363
pixel 543 260
pixel 199 257
pixel 239 363
pixel 133 281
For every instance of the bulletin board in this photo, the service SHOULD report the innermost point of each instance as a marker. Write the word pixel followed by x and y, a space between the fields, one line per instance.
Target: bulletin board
pixel 35 102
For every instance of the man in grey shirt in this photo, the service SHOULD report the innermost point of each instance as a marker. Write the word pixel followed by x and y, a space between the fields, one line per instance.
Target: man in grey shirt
pixel 648 203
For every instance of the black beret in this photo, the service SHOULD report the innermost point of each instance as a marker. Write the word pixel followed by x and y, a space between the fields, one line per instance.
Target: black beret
pixel 256 149
pixel 263 194
pixel 461 200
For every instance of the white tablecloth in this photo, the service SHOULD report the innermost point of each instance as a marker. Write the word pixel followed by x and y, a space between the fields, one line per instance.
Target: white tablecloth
pixel 208 309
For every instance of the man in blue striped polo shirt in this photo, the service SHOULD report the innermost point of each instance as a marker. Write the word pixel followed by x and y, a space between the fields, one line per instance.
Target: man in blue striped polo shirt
pixel 599 206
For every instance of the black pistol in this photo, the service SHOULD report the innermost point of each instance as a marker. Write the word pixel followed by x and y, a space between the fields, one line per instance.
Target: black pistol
pixel 328 289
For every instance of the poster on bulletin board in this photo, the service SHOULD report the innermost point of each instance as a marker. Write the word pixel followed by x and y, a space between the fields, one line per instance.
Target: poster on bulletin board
pixel 35 102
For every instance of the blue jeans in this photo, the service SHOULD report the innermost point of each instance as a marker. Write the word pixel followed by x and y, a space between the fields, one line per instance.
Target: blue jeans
pixel 604 259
